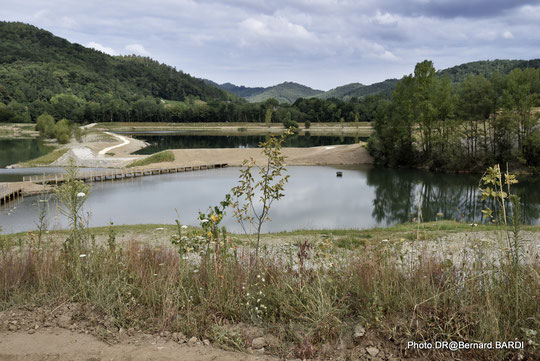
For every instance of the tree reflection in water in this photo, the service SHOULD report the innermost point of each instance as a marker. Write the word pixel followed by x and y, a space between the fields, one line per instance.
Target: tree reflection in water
pixel 456 196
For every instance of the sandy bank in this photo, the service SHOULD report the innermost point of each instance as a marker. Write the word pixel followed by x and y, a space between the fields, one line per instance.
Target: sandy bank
pixel 325 155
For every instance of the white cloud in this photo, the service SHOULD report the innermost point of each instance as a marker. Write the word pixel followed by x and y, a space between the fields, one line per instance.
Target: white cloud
pixel 101 48
pixel 508 35
pixel 137 49
pixel 386 18
pixel 266 27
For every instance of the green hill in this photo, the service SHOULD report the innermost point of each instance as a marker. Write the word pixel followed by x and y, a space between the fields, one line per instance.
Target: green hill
pixel 346 92
pixel 459 73
pixel 36 66
pixel 286 92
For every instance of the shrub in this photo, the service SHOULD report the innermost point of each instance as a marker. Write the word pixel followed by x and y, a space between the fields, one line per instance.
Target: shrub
pixel 45 125
pixel 62 131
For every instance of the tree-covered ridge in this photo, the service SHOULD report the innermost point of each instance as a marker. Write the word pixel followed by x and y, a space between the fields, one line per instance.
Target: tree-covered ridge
pixel 241 91
pixel 459 73
pixel 357 90
pixel 35 65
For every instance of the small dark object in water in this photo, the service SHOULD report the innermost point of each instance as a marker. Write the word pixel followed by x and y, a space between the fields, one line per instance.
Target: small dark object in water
pixel 339 174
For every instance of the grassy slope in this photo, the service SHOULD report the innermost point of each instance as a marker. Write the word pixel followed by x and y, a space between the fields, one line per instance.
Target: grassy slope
pixel 161 157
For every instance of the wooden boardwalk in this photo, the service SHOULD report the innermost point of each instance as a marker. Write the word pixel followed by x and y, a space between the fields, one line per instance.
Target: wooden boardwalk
pixel 105 175
pixel 9 192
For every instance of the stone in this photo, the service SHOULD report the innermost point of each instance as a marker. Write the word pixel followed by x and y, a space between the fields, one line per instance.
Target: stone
pixel 193 341
pixel 372 351
pixel 206 342
pixel 258 343
pixel 359 332
pixel 12 327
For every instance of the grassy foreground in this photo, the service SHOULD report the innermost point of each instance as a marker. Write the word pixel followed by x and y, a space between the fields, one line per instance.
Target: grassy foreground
pixel 308 297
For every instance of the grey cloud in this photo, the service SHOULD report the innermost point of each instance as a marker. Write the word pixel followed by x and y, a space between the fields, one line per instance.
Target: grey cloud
pixel 322 43
pixel 456 8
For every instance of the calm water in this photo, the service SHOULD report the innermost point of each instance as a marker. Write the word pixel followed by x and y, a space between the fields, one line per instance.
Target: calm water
pixel 315 198
pixel 173 140
pixel 19 150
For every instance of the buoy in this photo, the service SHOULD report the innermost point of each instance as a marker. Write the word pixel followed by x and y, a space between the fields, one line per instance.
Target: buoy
pixel 339 174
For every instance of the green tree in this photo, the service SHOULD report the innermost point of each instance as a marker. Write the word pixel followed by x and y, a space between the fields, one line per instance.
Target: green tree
pixel 62 131
pixel 46 125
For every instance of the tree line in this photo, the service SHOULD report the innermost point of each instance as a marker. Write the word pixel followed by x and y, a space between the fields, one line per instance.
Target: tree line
pixel 430 122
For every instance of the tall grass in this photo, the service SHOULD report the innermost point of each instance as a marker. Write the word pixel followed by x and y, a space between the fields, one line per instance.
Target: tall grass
pixel 306 301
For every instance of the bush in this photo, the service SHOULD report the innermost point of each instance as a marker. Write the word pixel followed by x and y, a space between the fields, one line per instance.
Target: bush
pixel 62 131
pixel 287 123
pixel 307 124
pixel 45 125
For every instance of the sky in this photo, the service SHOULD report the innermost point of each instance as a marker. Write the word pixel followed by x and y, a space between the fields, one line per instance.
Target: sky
pixel 319 43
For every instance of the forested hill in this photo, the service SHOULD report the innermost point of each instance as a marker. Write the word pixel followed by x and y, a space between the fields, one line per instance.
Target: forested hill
pixel 459 73
pixel 35 65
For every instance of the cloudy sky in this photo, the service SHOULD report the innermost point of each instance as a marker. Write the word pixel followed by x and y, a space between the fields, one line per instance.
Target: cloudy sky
pixel 319 43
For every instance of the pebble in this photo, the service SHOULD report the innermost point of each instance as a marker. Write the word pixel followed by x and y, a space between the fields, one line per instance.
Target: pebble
pixel 372 351
pixel 258 343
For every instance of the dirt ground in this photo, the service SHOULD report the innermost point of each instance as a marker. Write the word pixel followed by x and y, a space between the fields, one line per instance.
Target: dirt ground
pixel 75 332
pixel 64 345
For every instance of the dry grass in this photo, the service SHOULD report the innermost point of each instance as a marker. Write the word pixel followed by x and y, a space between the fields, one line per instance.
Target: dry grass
pixel 308 296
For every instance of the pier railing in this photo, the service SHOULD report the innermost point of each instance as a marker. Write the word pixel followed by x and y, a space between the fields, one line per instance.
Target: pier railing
pixel 9 192
pixel 113 174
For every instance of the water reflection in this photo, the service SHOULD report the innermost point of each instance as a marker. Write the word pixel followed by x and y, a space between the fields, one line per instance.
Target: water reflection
pixel 162 141
pixel 397 193
pixel 20 150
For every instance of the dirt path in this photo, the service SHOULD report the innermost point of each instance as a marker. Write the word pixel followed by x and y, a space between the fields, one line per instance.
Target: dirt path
pixel 63 345
pixel 125 141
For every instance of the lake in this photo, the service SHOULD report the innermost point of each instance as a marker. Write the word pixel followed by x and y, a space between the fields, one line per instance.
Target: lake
pixel 314 199
pixel 163 140
pixel 20 150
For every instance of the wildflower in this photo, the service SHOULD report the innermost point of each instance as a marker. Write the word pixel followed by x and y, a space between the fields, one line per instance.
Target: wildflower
pixel 385 240
pixel 204 221
pixel 159 229
pixel 81 194
pixel 155 274
pixel 82 256
pixel 440 214
pixel 184 227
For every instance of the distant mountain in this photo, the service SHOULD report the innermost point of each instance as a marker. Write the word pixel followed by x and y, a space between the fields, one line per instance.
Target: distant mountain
pixel 242 91
pixel 358 90
pixel 286 92
pixel 289 92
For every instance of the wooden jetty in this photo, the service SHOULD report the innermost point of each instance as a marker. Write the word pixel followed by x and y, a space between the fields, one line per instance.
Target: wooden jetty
pixel 10 192
pixel 106 175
